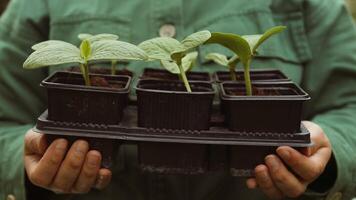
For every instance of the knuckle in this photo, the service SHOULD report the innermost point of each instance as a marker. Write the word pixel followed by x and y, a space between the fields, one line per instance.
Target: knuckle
pixel 88 174
pixel 54 161
pixel 74 163
pixel 280 177
pixel 315 172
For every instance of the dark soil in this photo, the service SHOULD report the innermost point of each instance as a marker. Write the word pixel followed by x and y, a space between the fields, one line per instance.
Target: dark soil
pixel 176 87
pixel 102 82
pixel 95 81
pixel 271 91
pixel 103 70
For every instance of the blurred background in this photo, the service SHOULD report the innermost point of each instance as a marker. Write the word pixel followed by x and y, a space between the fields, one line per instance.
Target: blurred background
pixel 350 3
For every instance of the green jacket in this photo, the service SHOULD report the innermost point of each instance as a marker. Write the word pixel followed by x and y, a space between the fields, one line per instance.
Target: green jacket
pixel 318 51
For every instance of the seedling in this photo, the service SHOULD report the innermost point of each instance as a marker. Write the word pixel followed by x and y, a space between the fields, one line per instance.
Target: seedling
pixel 224 61
pixel 93 38
pixel 93 48
pixel 245 47
pixel 174 55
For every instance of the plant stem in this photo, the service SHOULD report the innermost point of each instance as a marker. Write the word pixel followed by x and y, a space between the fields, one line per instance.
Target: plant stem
pixel 113 67
pixel 184 77
pixel 247 78
pixel 232 72
pixel 85 72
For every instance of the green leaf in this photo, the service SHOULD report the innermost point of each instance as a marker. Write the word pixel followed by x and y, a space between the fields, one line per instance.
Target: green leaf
pixel 269 33
pixel 85 49
pixel 218 58
pixel 116 50
pixel 187 63
pixel 52 43
pixel 252 40
pixel 170 66
pixel 53 53
pixel 98 37
pixel 195 40
pixel 234 42
pixel 161 48
pixel 189 60
pixel 234 60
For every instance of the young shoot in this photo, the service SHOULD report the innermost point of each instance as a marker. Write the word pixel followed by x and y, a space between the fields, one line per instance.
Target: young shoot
pixel 224 61
pixel 94 48
pixel 174 55
pixel 245 47
pixel 93 38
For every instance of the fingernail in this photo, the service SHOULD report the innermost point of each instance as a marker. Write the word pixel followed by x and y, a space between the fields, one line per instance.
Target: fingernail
pixel 80 148
pixel 61 146
pixel 93 161
pixel 284 154
pixel 272 163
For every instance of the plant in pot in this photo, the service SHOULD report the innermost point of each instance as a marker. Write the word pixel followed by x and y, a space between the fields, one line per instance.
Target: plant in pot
pixel 85 98
pixel 97 68
pixel 165 104
pixel 244 47
pixel 272 108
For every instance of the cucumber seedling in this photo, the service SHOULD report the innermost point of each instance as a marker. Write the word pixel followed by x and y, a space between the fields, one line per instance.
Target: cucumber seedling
pixel 245 47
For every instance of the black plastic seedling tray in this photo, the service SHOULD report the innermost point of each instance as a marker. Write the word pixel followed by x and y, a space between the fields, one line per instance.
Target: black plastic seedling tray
pixel 214 149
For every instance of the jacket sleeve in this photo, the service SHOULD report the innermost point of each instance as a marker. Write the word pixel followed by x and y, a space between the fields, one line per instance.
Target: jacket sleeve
pixel 21 99
pixel 330 78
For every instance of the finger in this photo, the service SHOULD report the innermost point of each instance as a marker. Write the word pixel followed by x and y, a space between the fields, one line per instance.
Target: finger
pixel 308 168
pixel 70 168
pixel 35 143
pixel 88 173
pixel 41 173
pixel 251 183
pixel 266 184
pixel 285 181
pixel 317 136
pixel 103 179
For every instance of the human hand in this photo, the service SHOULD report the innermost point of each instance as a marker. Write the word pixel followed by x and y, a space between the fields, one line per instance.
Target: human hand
pixel 62 169
pixel 277 182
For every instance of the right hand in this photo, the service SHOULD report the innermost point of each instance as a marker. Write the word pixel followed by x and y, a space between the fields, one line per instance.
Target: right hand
pixel 63 169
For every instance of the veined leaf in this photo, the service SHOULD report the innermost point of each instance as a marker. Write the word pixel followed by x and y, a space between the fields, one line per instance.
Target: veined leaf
pixel 60 44
pixel 234 42
pixel 234 60
pixel 116 50
pixel 98 37
pixel 53 55
pixel 85 49
pixel 161 48
pixel 269 33
pixel 187 63
pixel 252 40
pixel 189 60
pixel 170 66
pixel 218 58
pixel 195 40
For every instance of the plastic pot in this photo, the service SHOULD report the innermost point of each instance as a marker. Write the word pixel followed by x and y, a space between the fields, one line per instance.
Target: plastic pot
pixel 274 107
pixel 166 105
pixel 71 101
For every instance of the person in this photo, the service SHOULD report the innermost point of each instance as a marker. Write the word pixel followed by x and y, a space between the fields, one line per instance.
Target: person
pixel 317 51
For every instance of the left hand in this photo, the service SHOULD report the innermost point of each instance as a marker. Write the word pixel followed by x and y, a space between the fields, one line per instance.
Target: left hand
pixel 277 182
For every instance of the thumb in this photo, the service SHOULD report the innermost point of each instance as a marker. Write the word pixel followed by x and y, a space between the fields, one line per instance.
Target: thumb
pixel 35 143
